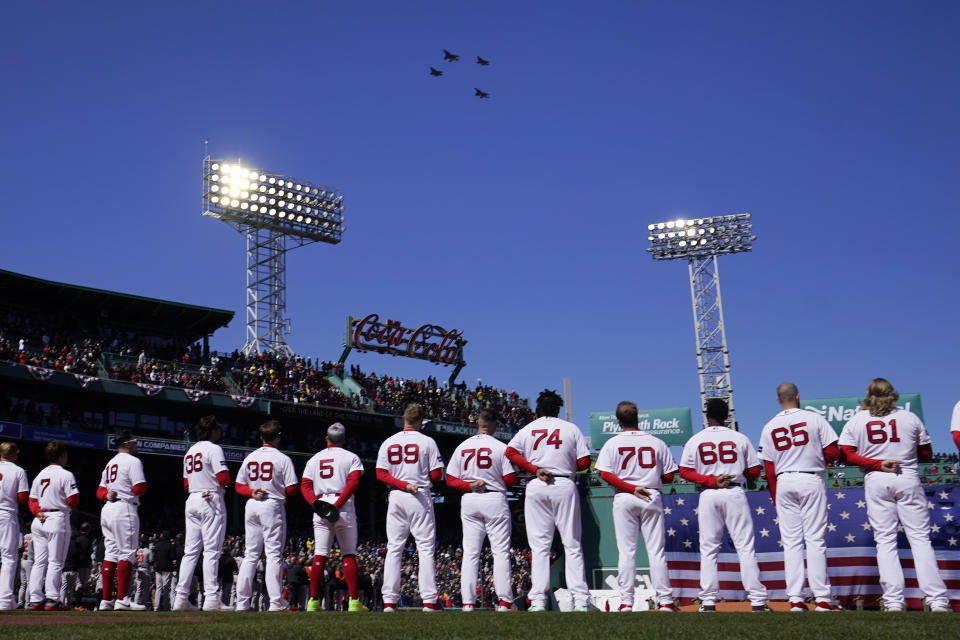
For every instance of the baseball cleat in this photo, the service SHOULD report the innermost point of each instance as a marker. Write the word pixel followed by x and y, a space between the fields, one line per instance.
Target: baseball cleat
pixel 625 608
pixel 214 605
pixel 503 606
pixel 53 605
pixel 798 606
pixel 431 607
pixel 467 608
pixel 313 605
pixel 668 607
pixel 35 606
pixel 827 606
pixel 581 608
pixel 106 605
pixel 760 608
pixel 389 607
pixel 536 608
pixel 707 608
pixel 128 605
pixel 356 606
pixel 940 608
pixel 183 605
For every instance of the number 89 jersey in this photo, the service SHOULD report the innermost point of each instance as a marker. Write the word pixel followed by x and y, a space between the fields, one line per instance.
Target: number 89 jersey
pixel 270 470
pixel 894 436
pixel 794 440
pixel 638 458
pixel 717 451
pixel 409 456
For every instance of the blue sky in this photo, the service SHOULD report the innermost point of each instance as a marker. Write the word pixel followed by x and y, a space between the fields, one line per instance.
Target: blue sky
pixel 520 219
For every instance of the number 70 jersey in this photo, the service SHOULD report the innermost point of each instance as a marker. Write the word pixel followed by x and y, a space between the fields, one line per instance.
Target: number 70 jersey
pixel 894 436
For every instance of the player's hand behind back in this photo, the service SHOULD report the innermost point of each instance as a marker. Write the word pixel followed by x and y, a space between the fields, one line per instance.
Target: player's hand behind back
pixel 478 485
pixel 412 489
pixel 642 493
pixel 890 466
pixel 724 480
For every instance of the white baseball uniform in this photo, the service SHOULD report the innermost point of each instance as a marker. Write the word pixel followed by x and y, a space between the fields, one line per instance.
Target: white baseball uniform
pixel 639 460
pixel 13 483
pixel 26 567
pixel 717 451
pixel 328 470
pixel 265 522
pixel 52 488
pixel 793 441
pixel 897 498
pixel 410 456
pixel 119 518
pixel 484 513
pixel 555 445
pixel 206 517
pixel 955 424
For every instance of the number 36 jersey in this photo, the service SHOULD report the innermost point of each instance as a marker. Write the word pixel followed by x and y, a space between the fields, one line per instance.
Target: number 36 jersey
pixel 204 460
pixel 794 440
pixel 719 451
pixel 270 470
pixel 410 456
pixel 894 436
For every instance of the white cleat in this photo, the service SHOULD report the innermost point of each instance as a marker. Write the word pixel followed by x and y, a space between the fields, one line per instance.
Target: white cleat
pixel 183 605
pixel 940 608
pixel 106 605
pixel 214 605
pixel 536 608
pixel 128 605
pixel 467 608
pixel 389 608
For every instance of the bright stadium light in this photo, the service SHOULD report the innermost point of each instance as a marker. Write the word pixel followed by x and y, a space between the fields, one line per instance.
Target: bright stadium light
pixel 699 241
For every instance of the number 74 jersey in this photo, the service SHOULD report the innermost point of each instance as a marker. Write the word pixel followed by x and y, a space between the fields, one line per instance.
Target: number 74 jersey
pixel 894 436
pixel 794 440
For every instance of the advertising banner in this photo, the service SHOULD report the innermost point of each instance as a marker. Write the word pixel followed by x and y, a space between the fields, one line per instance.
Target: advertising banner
pixel 10 430
pixel 838 411
pixel 69 437
pixel 673 426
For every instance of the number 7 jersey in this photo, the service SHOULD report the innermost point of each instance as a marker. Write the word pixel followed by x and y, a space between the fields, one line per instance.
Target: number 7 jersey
pixel 717 451
pixel 894 436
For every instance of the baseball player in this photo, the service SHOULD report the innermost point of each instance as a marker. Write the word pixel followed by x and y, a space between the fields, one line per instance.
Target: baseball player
pixel 955 425
pixel 637 465
pixel 53 496
pixel 14 491
pixel 795 447
pixel 479 467
pixel 720 459
pixel 205 476
pixel 552 450
pixel 144 576
pixel 267 478
pixel 121 485
pixel 26 567
pixel 887 443
pixel 329 481
pixel 408 462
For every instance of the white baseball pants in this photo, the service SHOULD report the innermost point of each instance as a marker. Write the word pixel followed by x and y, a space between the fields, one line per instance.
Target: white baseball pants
pixel 898 498
pixel 632 516
pixel 345 529
pixel 548 507
pixel 802 511
pixel 266 530
pixel 482 515
pixel 719 508
pixel 121 531
pixel 9 544
pixel 410 515
pixel 206 524
pixel 51 540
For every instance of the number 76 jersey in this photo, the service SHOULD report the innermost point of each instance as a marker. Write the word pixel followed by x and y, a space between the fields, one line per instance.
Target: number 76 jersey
pixel 717 451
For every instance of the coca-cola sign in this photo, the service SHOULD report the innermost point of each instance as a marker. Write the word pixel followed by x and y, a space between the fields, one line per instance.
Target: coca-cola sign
pixel 429 342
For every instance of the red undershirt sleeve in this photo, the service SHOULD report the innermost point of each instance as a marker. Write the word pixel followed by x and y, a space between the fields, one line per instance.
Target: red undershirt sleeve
pixel 243 490
pixel 770 471
pixel 510 480
pixel 186 485
pixel 353 481
pixel 384 476
pixel 518 460
pixel 102 493
pixel 139 489
pixel 306 490
pixel 437 474
pixel 667 478
pixel 23 497
pixel 34 506
pixel 583 463
pixel 291 490
pixel 616 482
pixel 924 452
pixel 867 464
pixel 73 501
pixel 690 475
pixel 456 483
pixel 752 472
pixel 832 453
pixel 223 478
pixel 956 438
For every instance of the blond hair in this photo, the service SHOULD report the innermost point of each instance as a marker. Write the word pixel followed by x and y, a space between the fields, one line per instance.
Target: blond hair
pixel 881 398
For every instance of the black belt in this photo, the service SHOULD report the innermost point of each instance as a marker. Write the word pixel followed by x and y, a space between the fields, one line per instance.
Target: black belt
pixel 812 473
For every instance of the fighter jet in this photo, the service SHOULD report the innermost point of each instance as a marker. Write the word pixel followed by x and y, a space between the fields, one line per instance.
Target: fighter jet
pixel 481 94
pixel 451 57
pixel 435 72
pixel 482 62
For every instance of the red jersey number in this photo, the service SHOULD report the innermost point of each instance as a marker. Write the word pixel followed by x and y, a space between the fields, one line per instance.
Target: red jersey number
pixel 710 452
pixel 260 471
pixel 877 432
pixel 326 468
pixel 407 454
pixel 112 473
pixel 783 438
pixel 484 461
pixel 193 463
pixel 553 439
pixel 43 486
pixel 646 457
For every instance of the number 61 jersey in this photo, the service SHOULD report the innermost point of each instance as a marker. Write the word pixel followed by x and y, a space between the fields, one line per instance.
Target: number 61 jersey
pixel 718 451
pixel 794 440
pixel 894 436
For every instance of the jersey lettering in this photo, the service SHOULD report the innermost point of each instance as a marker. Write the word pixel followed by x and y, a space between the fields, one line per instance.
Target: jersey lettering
pixel 44 483
pixel 484 461
pixel 194 462
pixel 708 452
pixel 112 473
pixel 553 440
pixel 409 454
pixel 325 468
pixel 646 457
pixel 260 471
pixel 797 436
pixel 876 434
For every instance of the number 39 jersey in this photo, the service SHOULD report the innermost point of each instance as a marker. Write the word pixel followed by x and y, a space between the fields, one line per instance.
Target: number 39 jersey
pixel 794 441
pixel 270 470
pixel 410 456
pixel 328 471
pixel 891 437
pixel 638 458
pixel 551 443
pixel 481 457
pixel 204 460
pixel 121 474
pixel 718 451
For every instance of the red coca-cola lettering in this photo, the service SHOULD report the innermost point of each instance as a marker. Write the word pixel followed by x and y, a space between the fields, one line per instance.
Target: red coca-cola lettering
pixel 429 342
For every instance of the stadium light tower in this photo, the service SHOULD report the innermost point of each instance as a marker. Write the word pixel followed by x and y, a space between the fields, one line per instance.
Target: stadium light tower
pixel 699 242
pixel 275 213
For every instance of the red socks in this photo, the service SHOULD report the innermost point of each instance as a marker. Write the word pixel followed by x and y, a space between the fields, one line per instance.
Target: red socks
pixel 106 576
pixel 350 575
pixel 124 570
pixel 316 576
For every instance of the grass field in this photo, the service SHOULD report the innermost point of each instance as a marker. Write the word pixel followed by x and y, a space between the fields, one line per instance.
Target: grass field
pixel 453 626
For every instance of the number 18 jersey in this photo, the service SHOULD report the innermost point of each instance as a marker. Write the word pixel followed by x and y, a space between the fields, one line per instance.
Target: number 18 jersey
pixel 410 456
pixel 122 473
pixel 718 451
pixel 894 436
pixel 794 441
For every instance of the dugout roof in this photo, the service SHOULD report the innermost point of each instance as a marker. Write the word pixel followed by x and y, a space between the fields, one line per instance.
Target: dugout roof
pixel 87 305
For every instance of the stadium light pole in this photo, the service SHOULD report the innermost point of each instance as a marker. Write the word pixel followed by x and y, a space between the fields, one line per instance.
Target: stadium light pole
pixel 699 241
pixel 275 213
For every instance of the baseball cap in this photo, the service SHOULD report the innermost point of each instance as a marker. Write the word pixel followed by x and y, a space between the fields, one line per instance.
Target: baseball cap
pixel 124 437
pixel 336 432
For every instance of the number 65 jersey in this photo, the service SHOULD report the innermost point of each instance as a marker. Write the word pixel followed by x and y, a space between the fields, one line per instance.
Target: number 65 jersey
pixel 717 451
pixel 894 436
pixel 794 441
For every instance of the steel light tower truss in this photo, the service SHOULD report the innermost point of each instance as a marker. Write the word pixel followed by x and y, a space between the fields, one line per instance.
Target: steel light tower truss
pixel 699 242
pixel 275 213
